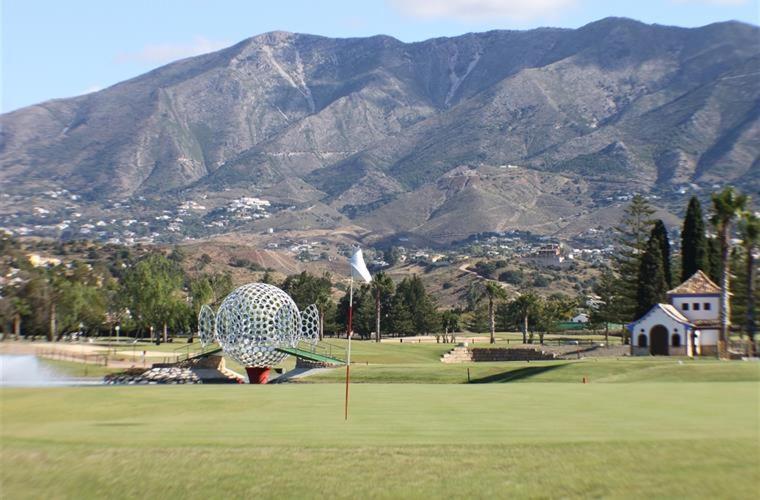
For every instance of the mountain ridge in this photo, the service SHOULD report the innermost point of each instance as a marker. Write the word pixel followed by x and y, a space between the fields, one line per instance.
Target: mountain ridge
pixel 358 124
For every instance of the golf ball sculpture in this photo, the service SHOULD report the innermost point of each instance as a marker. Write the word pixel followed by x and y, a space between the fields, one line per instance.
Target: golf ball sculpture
pixel 254 321
pixel 206 320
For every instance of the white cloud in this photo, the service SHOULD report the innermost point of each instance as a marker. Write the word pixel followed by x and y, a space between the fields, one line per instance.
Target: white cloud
pixel 471 10
pixel 167 52
pixel 714 2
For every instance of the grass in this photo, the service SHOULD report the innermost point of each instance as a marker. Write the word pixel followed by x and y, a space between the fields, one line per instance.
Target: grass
pixel 390 353
pixel 678 439
pixel 425 352
pixel 659 427
pixel 75 369
pixel 596 370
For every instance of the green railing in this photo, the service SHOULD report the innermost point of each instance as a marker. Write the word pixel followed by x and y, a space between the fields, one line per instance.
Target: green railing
pixel 323 349
pixel 190 353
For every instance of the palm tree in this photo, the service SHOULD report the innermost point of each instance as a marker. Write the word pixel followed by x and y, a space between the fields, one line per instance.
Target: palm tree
pixel 727 205
pixel 750 231
pixel 20 307
pixel 524 307
pixel 493 291
pixel 450 324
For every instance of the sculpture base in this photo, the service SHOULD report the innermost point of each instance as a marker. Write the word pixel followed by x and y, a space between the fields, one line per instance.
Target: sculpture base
pixel 257 375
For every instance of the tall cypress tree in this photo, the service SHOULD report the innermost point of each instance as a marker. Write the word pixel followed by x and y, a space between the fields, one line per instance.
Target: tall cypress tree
pixel 651 283
pixel 694 247
pixel 660 233
pixel 714 262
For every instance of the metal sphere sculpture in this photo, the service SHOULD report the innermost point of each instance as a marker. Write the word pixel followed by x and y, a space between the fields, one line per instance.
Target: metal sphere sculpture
pixel 206 322
pixel 254 321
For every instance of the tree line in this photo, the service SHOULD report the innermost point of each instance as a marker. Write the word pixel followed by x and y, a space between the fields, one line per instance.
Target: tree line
pixel 150 294
pixel 146 295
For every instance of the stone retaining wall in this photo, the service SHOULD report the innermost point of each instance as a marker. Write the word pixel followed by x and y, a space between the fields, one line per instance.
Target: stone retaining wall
pixel 307 363
pixel 510 354
pixel 209 370
pixel 464 354
pixel 163 375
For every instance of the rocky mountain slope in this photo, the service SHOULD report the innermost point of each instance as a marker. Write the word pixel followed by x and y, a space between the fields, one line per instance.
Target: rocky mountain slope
pixel 533 130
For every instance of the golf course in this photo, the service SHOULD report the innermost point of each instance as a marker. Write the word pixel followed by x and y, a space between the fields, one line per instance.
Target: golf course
pixel 659 427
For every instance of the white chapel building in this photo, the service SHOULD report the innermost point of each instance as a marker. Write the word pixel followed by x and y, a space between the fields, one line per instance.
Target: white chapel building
pixel 687 326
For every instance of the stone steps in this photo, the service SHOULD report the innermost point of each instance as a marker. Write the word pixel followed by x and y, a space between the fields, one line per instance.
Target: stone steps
pixel 459 354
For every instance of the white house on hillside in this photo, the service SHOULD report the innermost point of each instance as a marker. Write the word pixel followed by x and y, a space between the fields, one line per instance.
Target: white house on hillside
pixel 687 326
pixel 580 318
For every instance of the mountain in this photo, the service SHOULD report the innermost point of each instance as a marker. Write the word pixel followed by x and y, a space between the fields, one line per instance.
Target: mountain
pixel 534 130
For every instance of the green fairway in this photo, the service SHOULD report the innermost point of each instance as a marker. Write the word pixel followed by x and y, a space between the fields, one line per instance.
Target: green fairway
pixel 596 370
pixel 373 352
pixel 697 439
pixel 411 352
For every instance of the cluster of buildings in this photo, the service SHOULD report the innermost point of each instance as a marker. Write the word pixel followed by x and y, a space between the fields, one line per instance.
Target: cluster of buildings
pixel 58 218
pixel 537 250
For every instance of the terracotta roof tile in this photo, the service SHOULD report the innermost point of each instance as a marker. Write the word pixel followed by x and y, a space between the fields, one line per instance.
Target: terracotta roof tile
pixel 674 313
pixel 699 283
pixel 707 324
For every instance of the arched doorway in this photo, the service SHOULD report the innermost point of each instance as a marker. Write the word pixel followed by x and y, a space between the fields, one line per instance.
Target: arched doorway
pixel 658 336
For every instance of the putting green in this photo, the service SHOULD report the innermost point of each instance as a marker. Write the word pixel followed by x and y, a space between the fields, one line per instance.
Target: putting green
pixel 675 439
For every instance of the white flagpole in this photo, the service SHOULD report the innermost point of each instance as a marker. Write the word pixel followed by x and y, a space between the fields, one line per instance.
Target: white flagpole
pixel 349 332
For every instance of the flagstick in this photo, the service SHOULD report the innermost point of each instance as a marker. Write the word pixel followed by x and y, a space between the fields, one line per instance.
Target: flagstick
pixel 350 330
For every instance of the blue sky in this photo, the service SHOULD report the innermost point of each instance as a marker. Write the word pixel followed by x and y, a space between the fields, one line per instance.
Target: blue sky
pixel 54 48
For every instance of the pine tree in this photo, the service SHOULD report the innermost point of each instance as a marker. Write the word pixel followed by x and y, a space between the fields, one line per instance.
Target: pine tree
pixel 402 321
pixel 411 303
pixel 362 317
pixel 694 247
pixel 604 313
pixel 660 233
pixel 633 231
pixel 651 287
pixel 479 320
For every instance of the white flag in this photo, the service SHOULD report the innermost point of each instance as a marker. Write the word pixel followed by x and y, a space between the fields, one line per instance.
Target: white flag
pixel 358 267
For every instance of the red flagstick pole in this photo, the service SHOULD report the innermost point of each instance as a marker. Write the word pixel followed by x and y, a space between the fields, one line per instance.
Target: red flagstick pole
pixel 350 331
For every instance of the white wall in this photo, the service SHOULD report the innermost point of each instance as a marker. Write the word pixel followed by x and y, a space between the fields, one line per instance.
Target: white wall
pixel 658 318
pixel 707 337
pixel 702 314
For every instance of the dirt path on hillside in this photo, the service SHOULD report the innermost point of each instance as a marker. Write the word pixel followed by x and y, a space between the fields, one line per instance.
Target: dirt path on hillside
pixel 467 270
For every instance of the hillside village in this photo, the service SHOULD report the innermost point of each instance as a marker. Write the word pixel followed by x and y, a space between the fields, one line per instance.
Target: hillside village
pixel 60 216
